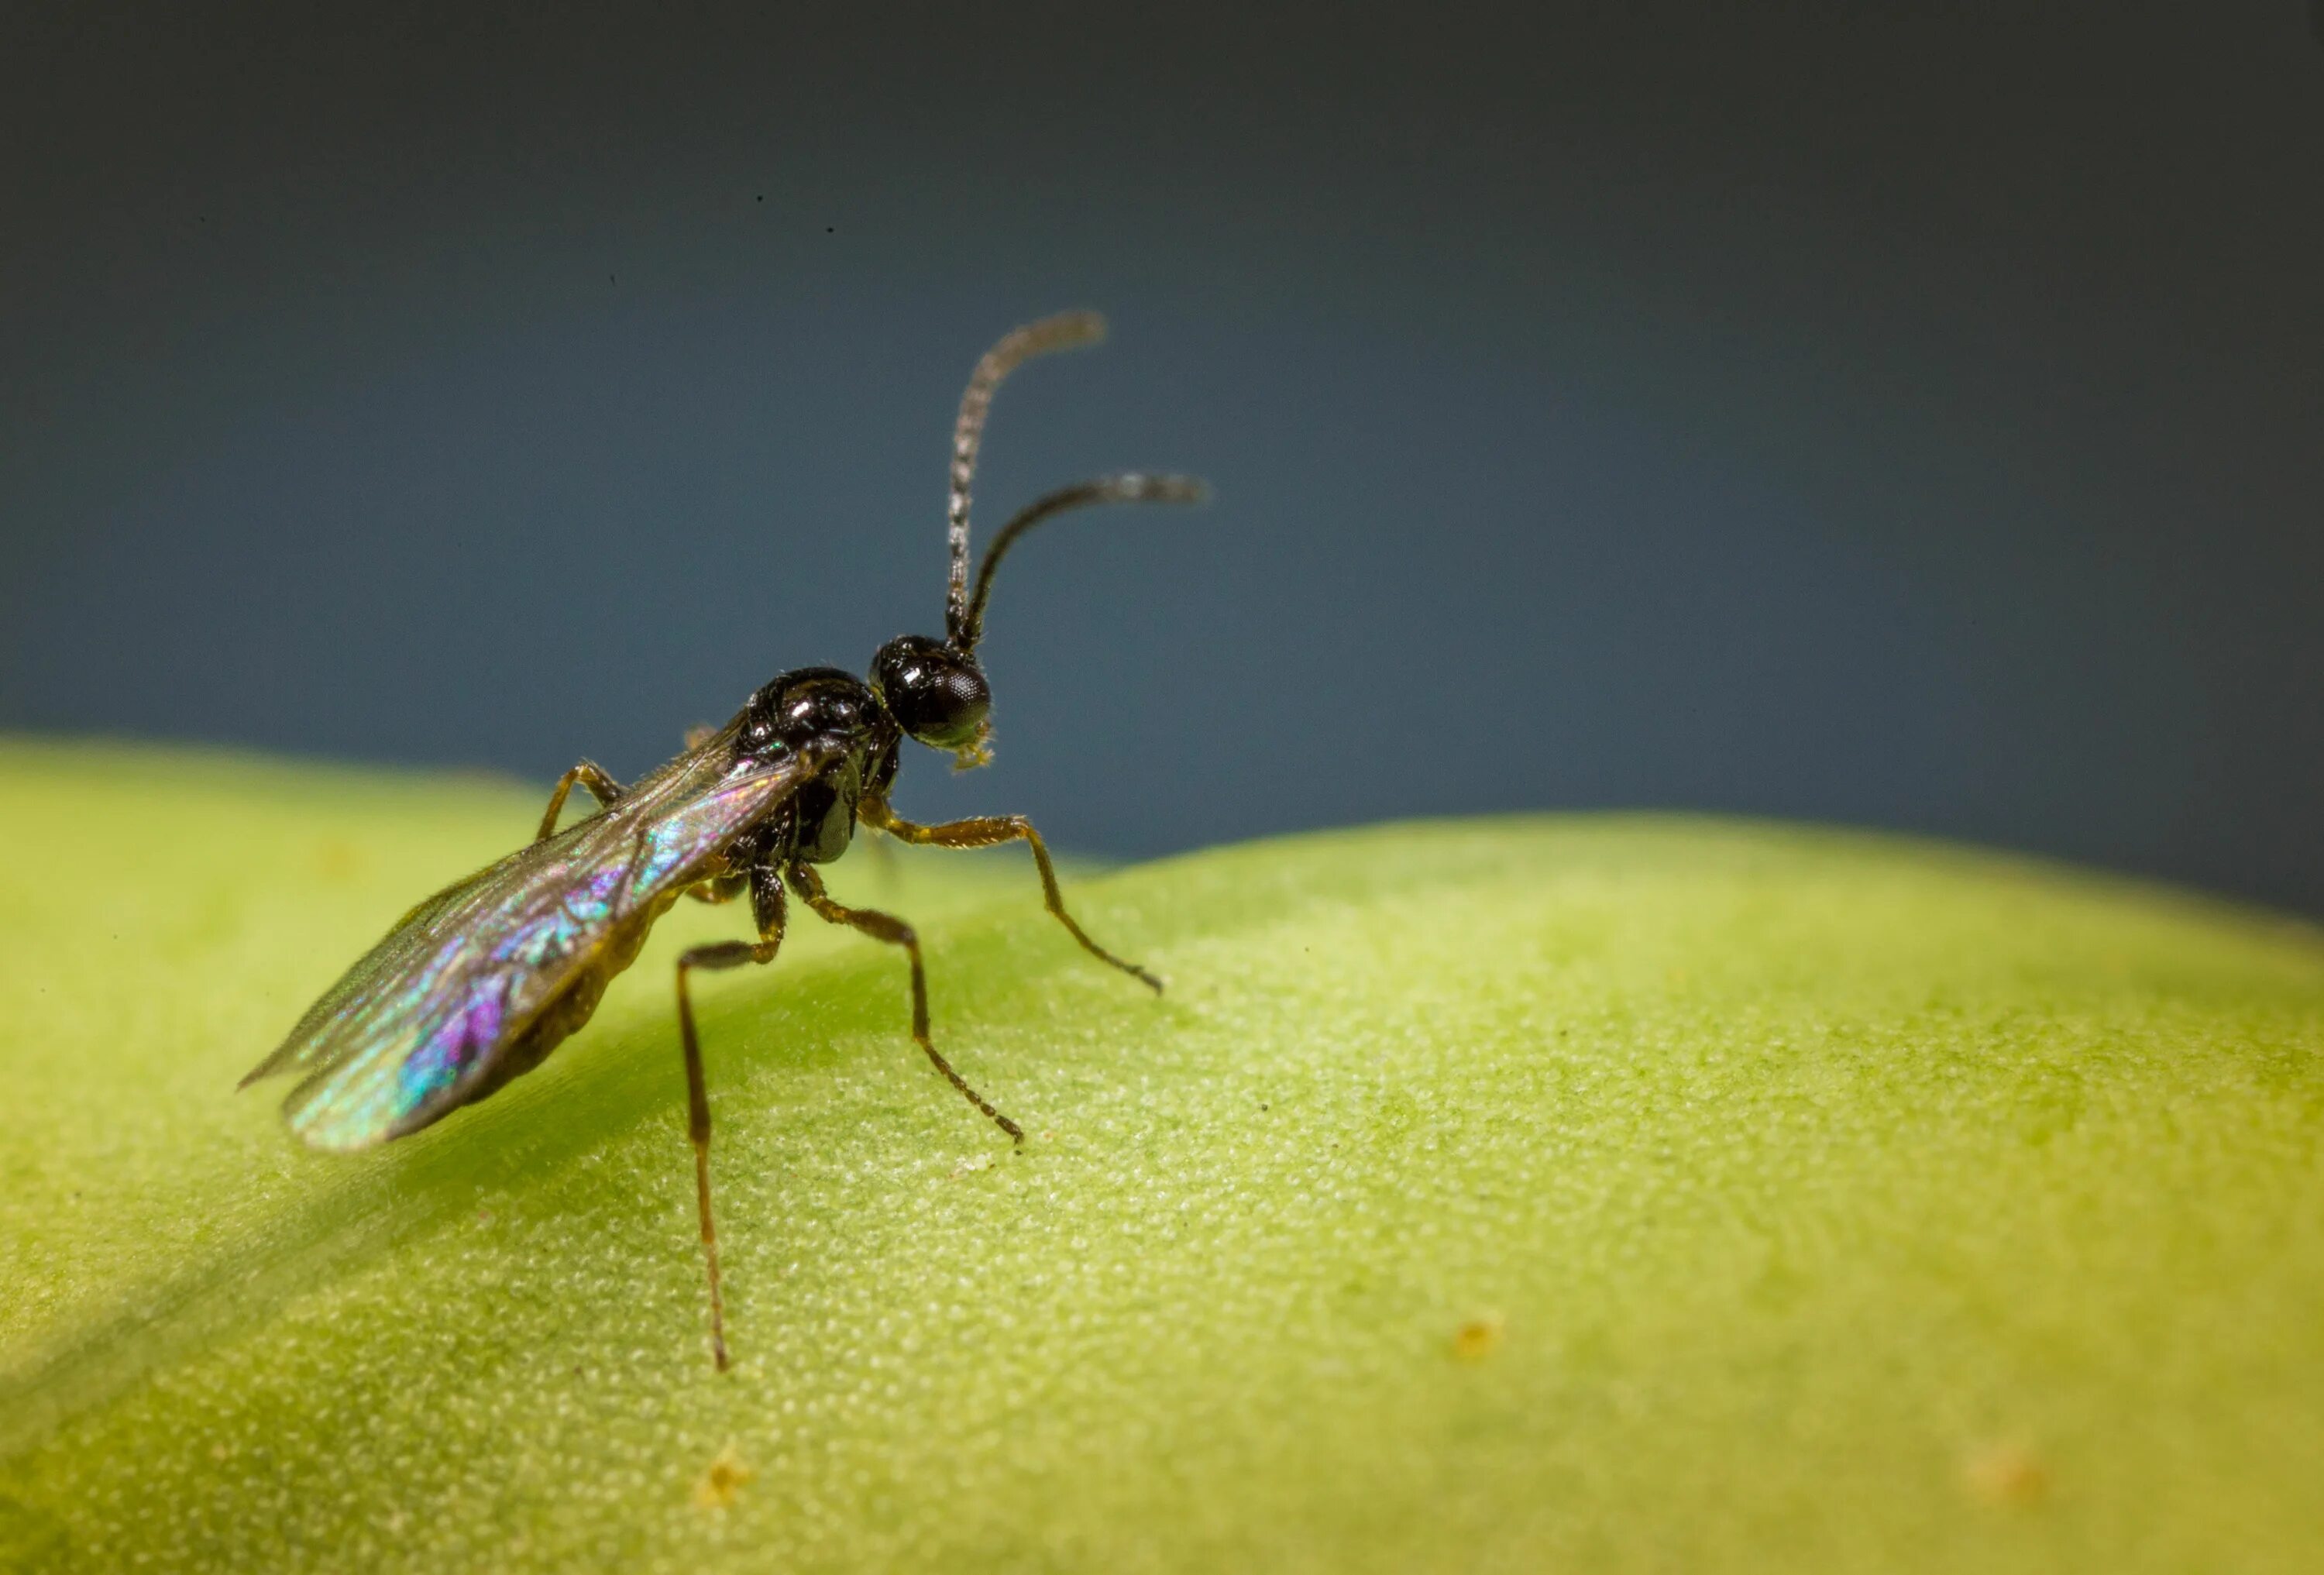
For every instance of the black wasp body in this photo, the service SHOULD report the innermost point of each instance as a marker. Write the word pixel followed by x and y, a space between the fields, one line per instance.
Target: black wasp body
pixel 477 984
pixel 832 709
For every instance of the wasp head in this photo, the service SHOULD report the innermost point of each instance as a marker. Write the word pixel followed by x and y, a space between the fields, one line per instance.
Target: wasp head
pixel 937 694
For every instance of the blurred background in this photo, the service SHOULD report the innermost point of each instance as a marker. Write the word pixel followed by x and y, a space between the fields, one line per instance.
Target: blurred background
pixel 1904 415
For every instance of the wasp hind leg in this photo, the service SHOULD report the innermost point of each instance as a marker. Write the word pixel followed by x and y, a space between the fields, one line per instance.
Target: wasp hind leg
pixel 768 909
pixel 887 928
pixel 587 774
pixel 985 831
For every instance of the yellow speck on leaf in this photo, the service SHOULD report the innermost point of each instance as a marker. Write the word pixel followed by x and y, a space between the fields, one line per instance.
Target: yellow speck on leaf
pixel 723 1481
pixel 2006 1474
pixel 338 859
pixel 1479 1337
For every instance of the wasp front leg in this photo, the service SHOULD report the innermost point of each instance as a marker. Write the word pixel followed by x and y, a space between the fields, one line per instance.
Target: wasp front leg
pixel 985 831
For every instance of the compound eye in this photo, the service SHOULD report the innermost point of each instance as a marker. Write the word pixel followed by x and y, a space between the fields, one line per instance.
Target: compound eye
pixel 935 692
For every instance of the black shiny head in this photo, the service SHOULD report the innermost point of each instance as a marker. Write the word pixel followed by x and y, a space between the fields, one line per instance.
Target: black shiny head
pixel 937 694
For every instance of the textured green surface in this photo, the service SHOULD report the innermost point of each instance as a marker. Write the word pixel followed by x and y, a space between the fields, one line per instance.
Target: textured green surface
pixel 1607 1194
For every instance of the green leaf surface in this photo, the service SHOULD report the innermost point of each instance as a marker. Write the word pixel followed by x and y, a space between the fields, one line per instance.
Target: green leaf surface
pixel 1608 1193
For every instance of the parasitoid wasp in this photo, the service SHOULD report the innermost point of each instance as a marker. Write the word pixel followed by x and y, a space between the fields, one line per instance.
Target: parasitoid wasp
pixel 478 983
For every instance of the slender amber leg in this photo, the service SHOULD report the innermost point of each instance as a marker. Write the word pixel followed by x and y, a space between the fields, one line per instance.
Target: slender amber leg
pixel 882 869
pixel 587 774
pixel 723 888
pixel 887 928
pixel 985 831
pixel 767 900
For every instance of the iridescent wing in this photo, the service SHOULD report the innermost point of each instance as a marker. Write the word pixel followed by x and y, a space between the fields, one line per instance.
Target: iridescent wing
pixel 419 1021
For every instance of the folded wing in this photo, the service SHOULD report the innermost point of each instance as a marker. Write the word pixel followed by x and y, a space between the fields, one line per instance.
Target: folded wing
pixel 420 1018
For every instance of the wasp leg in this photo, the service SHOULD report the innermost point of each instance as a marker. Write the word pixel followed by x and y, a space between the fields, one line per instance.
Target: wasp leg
pixel 887 928
pixel 985 831
pixel 589 775
pixel 881 855
pixel 768 908
pixel 725 889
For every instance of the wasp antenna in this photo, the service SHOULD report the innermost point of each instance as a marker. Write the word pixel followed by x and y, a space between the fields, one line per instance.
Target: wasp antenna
pixel 1065 331
pixel 1132 487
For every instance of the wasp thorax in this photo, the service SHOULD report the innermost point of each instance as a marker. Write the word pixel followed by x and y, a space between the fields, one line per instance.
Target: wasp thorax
pixel 936 693
pixel 806 704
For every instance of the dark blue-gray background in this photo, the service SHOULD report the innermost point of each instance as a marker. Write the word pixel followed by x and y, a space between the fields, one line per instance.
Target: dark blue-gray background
pixel 1909 418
